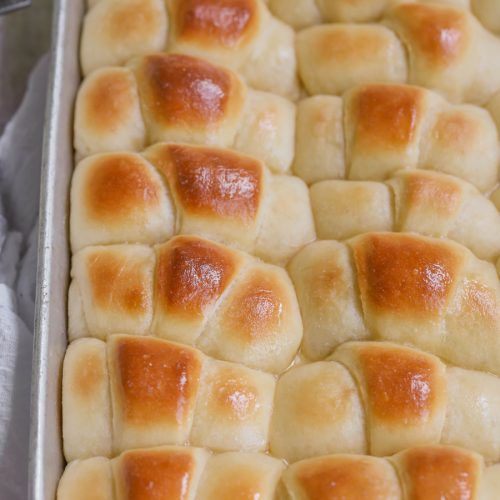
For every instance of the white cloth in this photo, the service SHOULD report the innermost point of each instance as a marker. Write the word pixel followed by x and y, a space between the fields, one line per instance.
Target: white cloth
pixel 20 160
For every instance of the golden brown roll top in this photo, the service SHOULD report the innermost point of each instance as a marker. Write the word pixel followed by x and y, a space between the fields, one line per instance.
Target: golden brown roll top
pixel 420 201
pixel 232 198
pixel 380 398
pixel 424 472
pixel 169 472
pixel 161 97
pixel 181 189
pixel 440 47
pixel 341 476
pixel 186 97
pixel 153 386
pixel 382 115
pixel 239 34
pixel 192 276
pixel 389 127
pixel 422 130
pixel 192 291
pixel 108 114
pixel 228 27
pixel 111 291
pixel 403 392
pixel 409 285
pixel 206 183
pixel 460 212
pixel 258 324
pixel 230 307
pixel 433 294
pixel 439 472
pixel 141 391
pixel 119 198
pixel 448 50
pixel 172 473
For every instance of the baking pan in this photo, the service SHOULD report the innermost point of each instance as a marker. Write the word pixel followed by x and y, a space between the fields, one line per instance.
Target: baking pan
pixel 46 458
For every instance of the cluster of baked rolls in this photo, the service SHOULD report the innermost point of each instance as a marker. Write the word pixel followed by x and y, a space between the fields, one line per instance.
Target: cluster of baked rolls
pixel 285 224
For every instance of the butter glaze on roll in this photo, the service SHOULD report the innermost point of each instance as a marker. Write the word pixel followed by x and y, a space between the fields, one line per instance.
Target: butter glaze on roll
pixel 376 129
pixel 239 34
pixel 188 290
pixel 430 293
pixel 179 98
pixel 181 189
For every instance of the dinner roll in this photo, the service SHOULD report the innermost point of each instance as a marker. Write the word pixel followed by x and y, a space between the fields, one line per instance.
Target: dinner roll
pixel 179 98
pixel 430 293
pixel 184 189
pixel 377 129
pixel 161 393
pixel 420 201
pixel 188 290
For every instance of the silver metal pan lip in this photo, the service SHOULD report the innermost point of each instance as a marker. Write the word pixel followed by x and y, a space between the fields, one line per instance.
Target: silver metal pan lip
pixel 46 459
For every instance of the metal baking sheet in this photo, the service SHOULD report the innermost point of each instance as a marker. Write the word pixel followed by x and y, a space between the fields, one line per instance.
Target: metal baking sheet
pixel 46 458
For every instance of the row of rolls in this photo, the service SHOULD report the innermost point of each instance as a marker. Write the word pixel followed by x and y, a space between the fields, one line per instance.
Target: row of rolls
pixel 194 474
pixel 375 398
pixel 438 44
pixel 368 133
pixel 285 225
